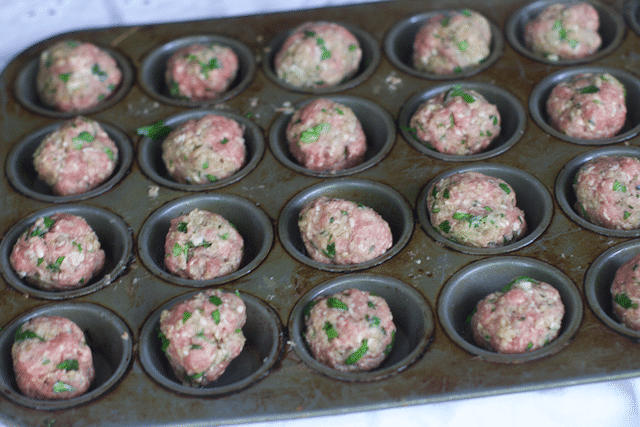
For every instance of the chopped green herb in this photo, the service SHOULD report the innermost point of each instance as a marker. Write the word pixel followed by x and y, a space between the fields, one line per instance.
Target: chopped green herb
pixel 109 153
pixel 155 131
pixel 82 137
pixel 165 341
pixel 224 141
pixel 211 178
pixel 333 302
pixel 60 387
pixel 626 215
pixel 624 301
pixel 307 310
pixel 77 245
pixel 56 265
pixel 64 77
pixel 529 346
pixel 462 45
pixel 213 299
pixel 509 285
pixel 177 250
pixel 617 186
pixel 224 236
pixel 445 226
pixel 69 365
pixel 185 316
pixel 182 227
pixel 330 331
pixel 445 193
pixel 357 355
pixel 352 47
pixel 389 346
pixel 466 12
pixel 102 76
pixel 312 135
pixel 216 316
pixel 505 188
pixel 24 335
pixel 330 252
pixel 590 89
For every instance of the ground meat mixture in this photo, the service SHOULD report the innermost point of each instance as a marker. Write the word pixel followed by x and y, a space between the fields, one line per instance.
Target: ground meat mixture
pixel 76 158
pixel 447 44
pixel 588 106
pixel 608 192
pixel 457 122
pixel 51 359
pixel 58 252
pixel 202 245
pixel 352 330
pixel 205 150
pixel 625 293
pixel 476 210
pixel 75 76
pixel 318 54
pixel 342 232
pixel 202 335
pixel 200 72
pixel 326 136
pixel 525 315
pixel 564 31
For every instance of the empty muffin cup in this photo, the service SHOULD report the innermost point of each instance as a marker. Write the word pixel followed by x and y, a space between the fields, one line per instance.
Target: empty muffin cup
pixel 632 15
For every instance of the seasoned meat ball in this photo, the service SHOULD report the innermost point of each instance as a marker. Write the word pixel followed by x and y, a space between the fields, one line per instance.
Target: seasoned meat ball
pixel 525 315
pixel 200 72
pixel 318 54
pixel 202 245
pixel 326 136
pixel 476 210
pixel 342 232
pixel 457 122
pixel 75 76
pixel 51 359
pixel 204 150
pixel 625 293
pixel 60 252
pixel 588 106
pixel 607 192
pixel 76 158
pixel 564 31
pixel 350 331
pixel 446 44
pixel 202 335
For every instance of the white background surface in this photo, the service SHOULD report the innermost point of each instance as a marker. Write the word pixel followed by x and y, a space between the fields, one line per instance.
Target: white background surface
pixel 612 404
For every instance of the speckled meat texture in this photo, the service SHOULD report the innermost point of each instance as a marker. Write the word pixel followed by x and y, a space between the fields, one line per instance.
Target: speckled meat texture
pixel 201 72
pixel 202 245
pixel 625 293
pixel 588 106
pixel 205 150
pixel 476 210
pixel 523 316
pixel 350 331
pixel 202 335
pixel 449 43
pixel 326 136
pixel 318 54
pixel 76 158
pixel 51 359
pixel 564 31
pixel 342 232
pixel 60 252
pixel 456 122
pixel 75 76
pixel 607 192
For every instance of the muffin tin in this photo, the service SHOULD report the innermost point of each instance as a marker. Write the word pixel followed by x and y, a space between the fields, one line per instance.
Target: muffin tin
pixel 430 283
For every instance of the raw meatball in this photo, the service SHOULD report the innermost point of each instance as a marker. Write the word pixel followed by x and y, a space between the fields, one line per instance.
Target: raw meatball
pixel 202 335
pixel 205 150
pixel 525 315
pixel 336 231
pixel 608 192
pixel 457 122
pixel 476 210
pixel 625 293
pixel 76 158
pixel 448 43
pixel 318 54
pixel 326 136
pixel 588 106
pixel 75 76
pixel 564 31
pixel 350 331
pixel 51 359
pixel 201 72
pixel 60 252
pixel 202 246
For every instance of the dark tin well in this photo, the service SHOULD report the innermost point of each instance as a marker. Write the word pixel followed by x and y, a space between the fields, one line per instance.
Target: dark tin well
pixel 632 15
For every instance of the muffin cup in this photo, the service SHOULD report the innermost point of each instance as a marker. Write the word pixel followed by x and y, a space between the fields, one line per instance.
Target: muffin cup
pixel 114 235
pixel 513 119
pixel 464 290
pixel 107 335
pixel 412 316
pixel 632 15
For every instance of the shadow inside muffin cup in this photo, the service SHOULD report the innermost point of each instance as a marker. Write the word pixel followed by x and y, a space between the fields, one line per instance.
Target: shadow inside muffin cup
pixel 377 124
pixel 115 239
pixel 531 196
pixel 262 350
pixel 464 290
pixel 513 119
pixel 632 15
pixel 384 200
pixel 251 222
pixel 368 63
pixel 24 178
pixel 154 66
pixel 398 47
pixel 152 165
pixel 107 335
pixel 612 30
pixel 412 317
pixel 542 91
